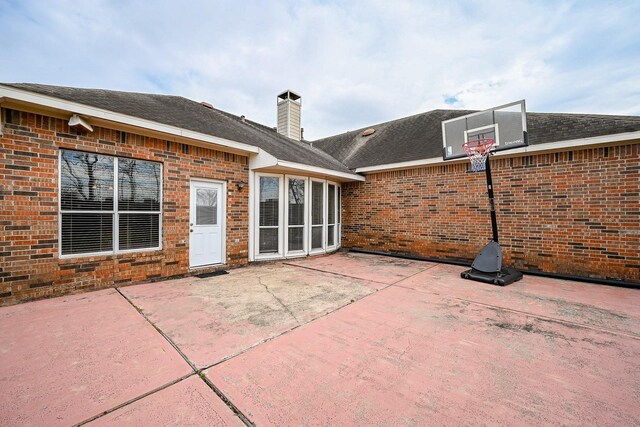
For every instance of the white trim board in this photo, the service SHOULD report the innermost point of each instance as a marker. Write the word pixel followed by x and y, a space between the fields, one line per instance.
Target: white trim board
pixel 265 162
pixel 533 149
pixel 84 110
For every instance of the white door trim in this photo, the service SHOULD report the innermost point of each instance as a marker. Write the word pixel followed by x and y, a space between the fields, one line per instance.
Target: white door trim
pixel 223 220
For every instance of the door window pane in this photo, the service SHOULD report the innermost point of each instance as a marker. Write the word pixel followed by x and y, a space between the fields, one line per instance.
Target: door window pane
pixel 296 238
pixel 296 201
pixel 317 206
pixel 206 206
pixel 269 200
pixel 268 240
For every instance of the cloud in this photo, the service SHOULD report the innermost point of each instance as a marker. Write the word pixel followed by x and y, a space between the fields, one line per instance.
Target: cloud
pixel 354 63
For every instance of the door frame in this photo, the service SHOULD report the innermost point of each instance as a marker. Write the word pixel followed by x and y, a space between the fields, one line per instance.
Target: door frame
pixel 223 221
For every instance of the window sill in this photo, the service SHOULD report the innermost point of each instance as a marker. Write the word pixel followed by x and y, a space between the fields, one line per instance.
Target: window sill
pixel 107 255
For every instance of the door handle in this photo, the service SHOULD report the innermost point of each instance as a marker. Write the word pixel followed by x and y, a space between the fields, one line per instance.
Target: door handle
pixel 191 231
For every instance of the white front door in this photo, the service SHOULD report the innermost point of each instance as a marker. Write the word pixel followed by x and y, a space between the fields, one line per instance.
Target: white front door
pixel 206 221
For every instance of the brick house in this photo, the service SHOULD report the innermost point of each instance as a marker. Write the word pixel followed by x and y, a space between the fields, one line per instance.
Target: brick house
pixel 103 188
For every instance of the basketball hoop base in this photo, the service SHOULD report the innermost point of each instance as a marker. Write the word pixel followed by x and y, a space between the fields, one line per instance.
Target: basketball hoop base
pixel 487 267
pixel 504 277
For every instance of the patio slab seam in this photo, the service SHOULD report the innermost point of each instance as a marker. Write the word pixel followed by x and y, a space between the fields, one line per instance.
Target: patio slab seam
pixel 336 274
pixel 266 340
pixel 165 336
pixel 135 399
pixel 195 369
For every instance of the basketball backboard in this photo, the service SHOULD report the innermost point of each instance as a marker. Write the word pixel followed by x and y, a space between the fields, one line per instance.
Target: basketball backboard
pixel 506 124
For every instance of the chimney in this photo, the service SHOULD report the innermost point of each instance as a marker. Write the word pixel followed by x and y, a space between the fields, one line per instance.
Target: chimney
pixel 289 105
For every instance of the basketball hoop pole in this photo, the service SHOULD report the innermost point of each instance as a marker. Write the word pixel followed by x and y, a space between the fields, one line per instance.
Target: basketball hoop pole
pixel 492 205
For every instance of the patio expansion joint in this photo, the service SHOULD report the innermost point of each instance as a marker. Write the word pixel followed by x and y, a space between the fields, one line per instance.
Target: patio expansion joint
pixel 332 272
pixel 194 368
pixel 355 300
pixel 165 336
pixel 135 399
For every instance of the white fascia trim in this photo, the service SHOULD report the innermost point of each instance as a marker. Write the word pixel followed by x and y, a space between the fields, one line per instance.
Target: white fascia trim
pixel 84 110
pixel 571 143
pixel 262 160
pixel 319 170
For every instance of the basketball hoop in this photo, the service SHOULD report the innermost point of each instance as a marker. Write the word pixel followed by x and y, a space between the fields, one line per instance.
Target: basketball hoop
pixel 477 150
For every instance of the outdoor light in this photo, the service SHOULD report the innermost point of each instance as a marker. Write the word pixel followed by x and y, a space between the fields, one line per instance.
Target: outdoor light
pixel 240 185
pixel 79 123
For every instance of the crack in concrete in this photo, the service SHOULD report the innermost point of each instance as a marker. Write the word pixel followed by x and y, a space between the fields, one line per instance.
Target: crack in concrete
pixel 282 304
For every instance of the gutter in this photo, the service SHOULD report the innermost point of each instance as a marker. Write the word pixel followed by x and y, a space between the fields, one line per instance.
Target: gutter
pixel 465 263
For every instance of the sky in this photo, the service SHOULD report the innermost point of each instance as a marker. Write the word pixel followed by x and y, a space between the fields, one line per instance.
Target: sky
pixel 355 63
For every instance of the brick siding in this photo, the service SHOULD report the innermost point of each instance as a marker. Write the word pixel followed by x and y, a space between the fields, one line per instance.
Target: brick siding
pixel 29 263
pixel 574 212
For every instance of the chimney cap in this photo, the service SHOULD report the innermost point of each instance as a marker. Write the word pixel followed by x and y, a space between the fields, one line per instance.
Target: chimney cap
pixel 288 94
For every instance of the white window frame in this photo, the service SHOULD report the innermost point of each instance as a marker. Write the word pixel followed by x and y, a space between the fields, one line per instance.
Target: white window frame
pixel 313 251
pixel 305 238
pixel 283 223
pixel 339 215
pixel 114 212
pixel 335 217
pixel 280 253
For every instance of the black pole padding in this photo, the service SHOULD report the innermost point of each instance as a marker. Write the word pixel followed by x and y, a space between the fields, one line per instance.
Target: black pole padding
pixel 492 205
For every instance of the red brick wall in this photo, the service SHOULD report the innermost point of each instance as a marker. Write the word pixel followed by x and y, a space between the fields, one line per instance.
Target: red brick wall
pixel 29 264
pixel 572 212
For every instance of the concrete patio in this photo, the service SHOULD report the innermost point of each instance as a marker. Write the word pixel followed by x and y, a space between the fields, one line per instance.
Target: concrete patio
pixel 345 339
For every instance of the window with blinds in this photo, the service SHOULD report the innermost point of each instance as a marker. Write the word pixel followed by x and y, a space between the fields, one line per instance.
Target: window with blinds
pixel 108 204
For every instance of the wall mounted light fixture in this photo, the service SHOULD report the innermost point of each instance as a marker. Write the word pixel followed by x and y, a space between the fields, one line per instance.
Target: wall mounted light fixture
pixel 240 185
pixel 79 123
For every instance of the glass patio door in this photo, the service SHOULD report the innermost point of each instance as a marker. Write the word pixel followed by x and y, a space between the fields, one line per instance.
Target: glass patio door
pixel 269 215
pixel 296 215
pixel 317 215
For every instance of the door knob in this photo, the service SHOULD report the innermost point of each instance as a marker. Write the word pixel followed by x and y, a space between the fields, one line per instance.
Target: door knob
pixel 191 231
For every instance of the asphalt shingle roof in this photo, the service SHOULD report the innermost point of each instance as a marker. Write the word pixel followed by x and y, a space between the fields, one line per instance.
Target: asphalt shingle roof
pixel 402 140
pixel 420 136
pixel 191 115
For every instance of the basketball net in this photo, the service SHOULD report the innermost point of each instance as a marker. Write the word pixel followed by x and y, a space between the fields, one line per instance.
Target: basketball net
pixel 477 150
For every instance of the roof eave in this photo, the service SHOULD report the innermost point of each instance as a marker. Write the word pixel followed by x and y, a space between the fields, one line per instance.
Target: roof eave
pixel 531 149
pixel 27 97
